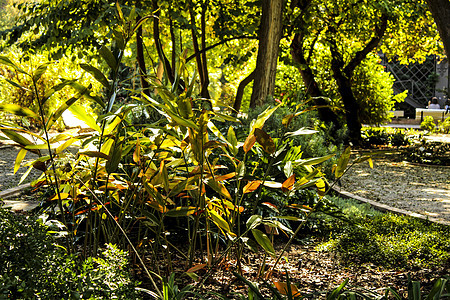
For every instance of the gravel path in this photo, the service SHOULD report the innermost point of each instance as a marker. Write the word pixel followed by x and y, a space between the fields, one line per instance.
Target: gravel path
pixel 416 188
pixel 8 179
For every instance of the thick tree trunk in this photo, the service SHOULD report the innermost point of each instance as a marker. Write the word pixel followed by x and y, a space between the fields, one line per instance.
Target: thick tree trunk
pixel 325 113
pixel 266 62
pixel 440 9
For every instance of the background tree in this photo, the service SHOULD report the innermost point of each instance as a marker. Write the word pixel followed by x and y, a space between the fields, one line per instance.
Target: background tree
pixel 266 63
pixel 441 14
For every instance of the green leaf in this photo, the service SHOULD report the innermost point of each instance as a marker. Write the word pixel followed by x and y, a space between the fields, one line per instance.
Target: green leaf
pixel 58 113
pixel 219 221
pixel 342 163
pixel 314 161
pixel 264 241
pixel 336 292
pixel 6 61
pixel 262 118
pixel 18 110
pixel 183 211
pixel 115 155
pixel 98 75
pixel 16 137
pixel 94 154
pixel 86 92
pixel 17 85
pixel 40 71
pixel 108 56
pixel 19 159
pixel 55 89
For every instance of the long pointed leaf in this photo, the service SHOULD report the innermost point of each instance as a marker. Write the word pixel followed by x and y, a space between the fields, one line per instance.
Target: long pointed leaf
pixel 18 110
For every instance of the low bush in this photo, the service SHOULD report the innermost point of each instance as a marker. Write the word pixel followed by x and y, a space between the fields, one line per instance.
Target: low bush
pixel 35 267
pixel 389 240
pixel 376 136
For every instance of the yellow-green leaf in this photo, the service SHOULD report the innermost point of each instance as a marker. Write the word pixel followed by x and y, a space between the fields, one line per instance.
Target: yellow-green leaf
pixel 342 163
pixel 219 221
pixel 18 110
pixel 19 159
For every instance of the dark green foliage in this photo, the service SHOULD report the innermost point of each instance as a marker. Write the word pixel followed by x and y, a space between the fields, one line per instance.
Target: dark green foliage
pixel 376 136
pixel 393 241
pixel 34 267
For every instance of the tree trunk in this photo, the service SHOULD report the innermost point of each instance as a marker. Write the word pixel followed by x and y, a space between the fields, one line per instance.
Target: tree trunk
pixel 351 105
pixel 325 113
pixel 240 91
pixel 343 76
pixel 266 62
pixel 440 9
pixel 140 56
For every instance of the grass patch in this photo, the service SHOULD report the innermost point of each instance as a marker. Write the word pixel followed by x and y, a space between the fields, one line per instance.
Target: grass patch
pixel 386 239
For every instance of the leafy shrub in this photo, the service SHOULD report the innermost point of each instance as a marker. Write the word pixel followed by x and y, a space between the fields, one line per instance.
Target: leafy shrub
pixel 428 124
pixel 34 267
pixel 376 136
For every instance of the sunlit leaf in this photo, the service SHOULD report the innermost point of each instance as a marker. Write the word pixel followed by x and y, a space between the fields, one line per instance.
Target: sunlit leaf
pixel 301 131
pixel 253 221
pixel 288 184
pixel 251 186
pixel 16 137
pixel 219 188
pixel 181 211
pixel 273 184
pixel 283 288
pixel 249 142
pixel 219 221
pixel 262 118
pixel 19 159
pixel 226 176
pixel 342 163
pixel 18 110
pixel 81 114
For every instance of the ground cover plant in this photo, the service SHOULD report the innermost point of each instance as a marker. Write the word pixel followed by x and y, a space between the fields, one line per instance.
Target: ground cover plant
pixel 185 196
